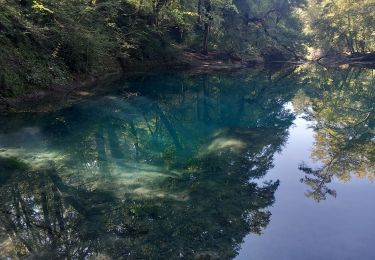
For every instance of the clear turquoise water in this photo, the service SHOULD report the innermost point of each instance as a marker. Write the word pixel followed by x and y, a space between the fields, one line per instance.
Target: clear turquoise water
pixel 257 164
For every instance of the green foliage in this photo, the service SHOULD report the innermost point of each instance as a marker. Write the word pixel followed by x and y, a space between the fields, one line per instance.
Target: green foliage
pixel 23 62
pixel 49 43
pixel 341 25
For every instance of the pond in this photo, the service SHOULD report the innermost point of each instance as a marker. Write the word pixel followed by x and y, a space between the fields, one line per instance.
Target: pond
pixel 254 164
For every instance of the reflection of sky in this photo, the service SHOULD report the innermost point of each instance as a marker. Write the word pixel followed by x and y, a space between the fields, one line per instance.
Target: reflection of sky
pixel 340 228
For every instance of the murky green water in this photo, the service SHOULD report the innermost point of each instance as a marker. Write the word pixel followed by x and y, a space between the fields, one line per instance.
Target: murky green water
pixel 255 165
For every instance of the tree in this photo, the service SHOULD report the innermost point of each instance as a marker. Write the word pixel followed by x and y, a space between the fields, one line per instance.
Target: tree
pixel 342 26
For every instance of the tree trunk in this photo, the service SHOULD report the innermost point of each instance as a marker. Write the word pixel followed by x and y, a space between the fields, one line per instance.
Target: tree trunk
pixel 205 38
pixel 199 10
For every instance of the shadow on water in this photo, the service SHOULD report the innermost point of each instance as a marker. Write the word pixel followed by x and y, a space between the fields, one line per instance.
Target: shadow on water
pixel 163 167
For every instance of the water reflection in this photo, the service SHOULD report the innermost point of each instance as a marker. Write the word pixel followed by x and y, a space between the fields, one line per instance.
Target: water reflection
pixel 165 167
pixel 169 166
pixel 341 105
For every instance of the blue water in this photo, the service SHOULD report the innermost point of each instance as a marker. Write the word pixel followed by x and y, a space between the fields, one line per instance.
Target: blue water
pixel 255 164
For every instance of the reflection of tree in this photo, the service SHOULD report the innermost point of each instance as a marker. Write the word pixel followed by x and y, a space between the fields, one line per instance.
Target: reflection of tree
pixel 165 174
pixel 43 216
pixel 342 105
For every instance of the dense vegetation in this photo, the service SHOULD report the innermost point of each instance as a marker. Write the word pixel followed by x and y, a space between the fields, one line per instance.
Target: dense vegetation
pixel 51 43
pixel 341 25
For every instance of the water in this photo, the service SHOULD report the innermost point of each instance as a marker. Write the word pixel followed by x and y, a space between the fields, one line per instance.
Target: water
pixel 258 164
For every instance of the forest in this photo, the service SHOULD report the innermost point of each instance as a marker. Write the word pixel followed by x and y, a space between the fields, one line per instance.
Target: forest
pixel 56 43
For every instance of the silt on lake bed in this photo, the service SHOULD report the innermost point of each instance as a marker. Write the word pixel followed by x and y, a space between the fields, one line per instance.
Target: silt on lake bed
pixel 255 164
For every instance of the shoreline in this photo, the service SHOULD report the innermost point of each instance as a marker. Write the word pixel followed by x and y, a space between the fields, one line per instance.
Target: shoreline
pixel 65 95
pixel 82 88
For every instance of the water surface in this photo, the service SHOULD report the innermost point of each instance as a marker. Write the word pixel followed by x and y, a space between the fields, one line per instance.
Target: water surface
pixel 257 164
